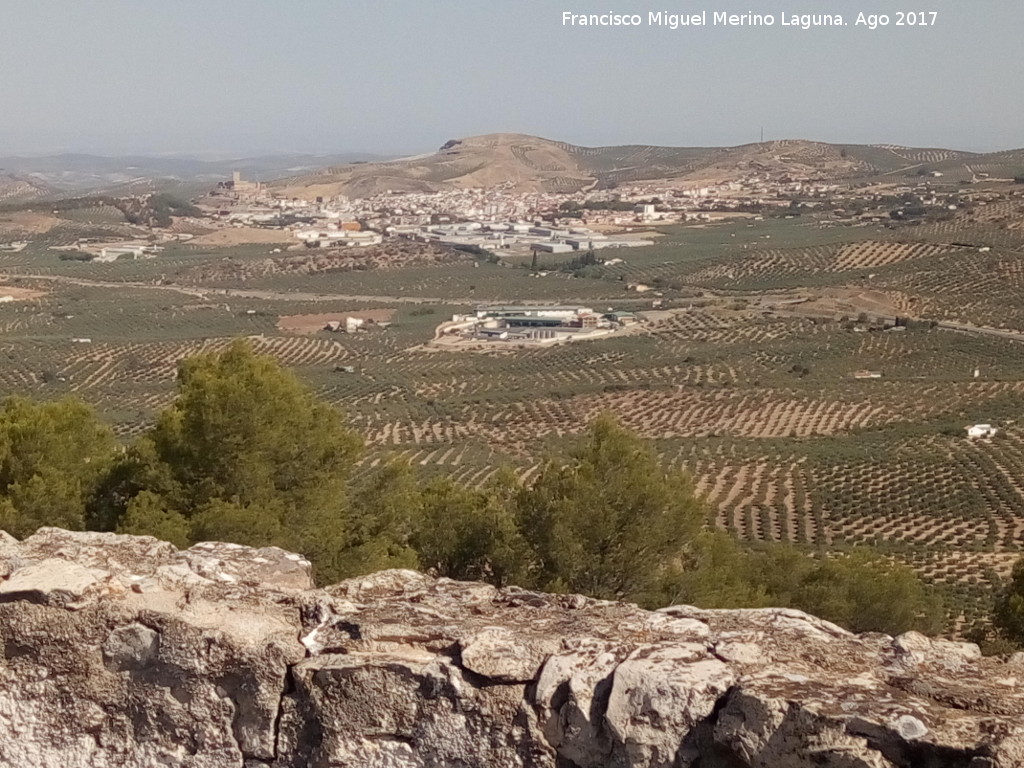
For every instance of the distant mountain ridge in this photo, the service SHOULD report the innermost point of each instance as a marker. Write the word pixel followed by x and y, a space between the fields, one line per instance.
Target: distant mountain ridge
pixel 518 161
pixel 534 164
pixel 28 178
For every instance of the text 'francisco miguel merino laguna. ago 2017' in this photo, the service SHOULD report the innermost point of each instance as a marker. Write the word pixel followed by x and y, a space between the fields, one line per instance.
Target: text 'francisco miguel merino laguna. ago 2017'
pixel 703 19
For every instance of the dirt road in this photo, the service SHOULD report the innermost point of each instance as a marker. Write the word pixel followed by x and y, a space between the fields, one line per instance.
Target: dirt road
pixel 203 293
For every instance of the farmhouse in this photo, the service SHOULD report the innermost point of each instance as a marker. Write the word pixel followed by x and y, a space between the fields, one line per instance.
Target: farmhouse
pixel 131 251
pixel 348 325
pixel 977 431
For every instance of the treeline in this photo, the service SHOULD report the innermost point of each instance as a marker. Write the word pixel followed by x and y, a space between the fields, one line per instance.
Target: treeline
pixel 247 454
pixel 581 263
pixel 155 210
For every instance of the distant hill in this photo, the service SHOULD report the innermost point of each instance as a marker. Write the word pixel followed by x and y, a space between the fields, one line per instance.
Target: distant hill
pixel 77 174
pixel 529 163
pixel 19 188
pixel 524 163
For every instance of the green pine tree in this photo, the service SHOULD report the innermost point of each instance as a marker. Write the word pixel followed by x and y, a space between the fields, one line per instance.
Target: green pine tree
pixel 52 457
pixel 608 520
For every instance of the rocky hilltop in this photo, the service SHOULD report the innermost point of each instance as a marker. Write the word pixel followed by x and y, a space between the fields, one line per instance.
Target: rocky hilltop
pixel 124 651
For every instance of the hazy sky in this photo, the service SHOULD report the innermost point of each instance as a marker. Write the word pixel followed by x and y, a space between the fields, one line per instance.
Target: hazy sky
pixel 390 76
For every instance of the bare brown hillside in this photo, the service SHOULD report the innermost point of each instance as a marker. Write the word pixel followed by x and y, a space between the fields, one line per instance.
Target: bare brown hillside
pixel 526 162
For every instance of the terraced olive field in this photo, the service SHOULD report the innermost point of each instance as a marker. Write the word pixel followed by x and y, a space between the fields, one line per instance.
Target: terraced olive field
pixel 756 397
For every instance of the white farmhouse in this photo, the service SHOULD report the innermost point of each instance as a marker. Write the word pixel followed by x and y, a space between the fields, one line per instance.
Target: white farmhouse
pixel 978 431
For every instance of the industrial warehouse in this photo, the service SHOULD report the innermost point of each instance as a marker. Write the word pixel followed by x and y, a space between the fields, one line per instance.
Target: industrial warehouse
pixel 530 325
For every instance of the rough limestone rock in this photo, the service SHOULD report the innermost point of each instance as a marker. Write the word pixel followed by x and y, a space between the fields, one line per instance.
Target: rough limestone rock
pixel 124 651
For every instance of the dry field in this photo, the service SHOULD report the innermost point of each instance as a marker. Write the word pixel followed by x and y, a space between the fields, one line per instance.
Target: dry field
pixel 26 223
pixel 232 236
pixel 851 301
pixel 19 293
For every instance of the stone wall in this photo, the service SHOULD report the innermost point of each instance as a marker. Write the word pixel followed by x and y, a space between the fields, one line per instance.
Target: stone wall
pixel 124 651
